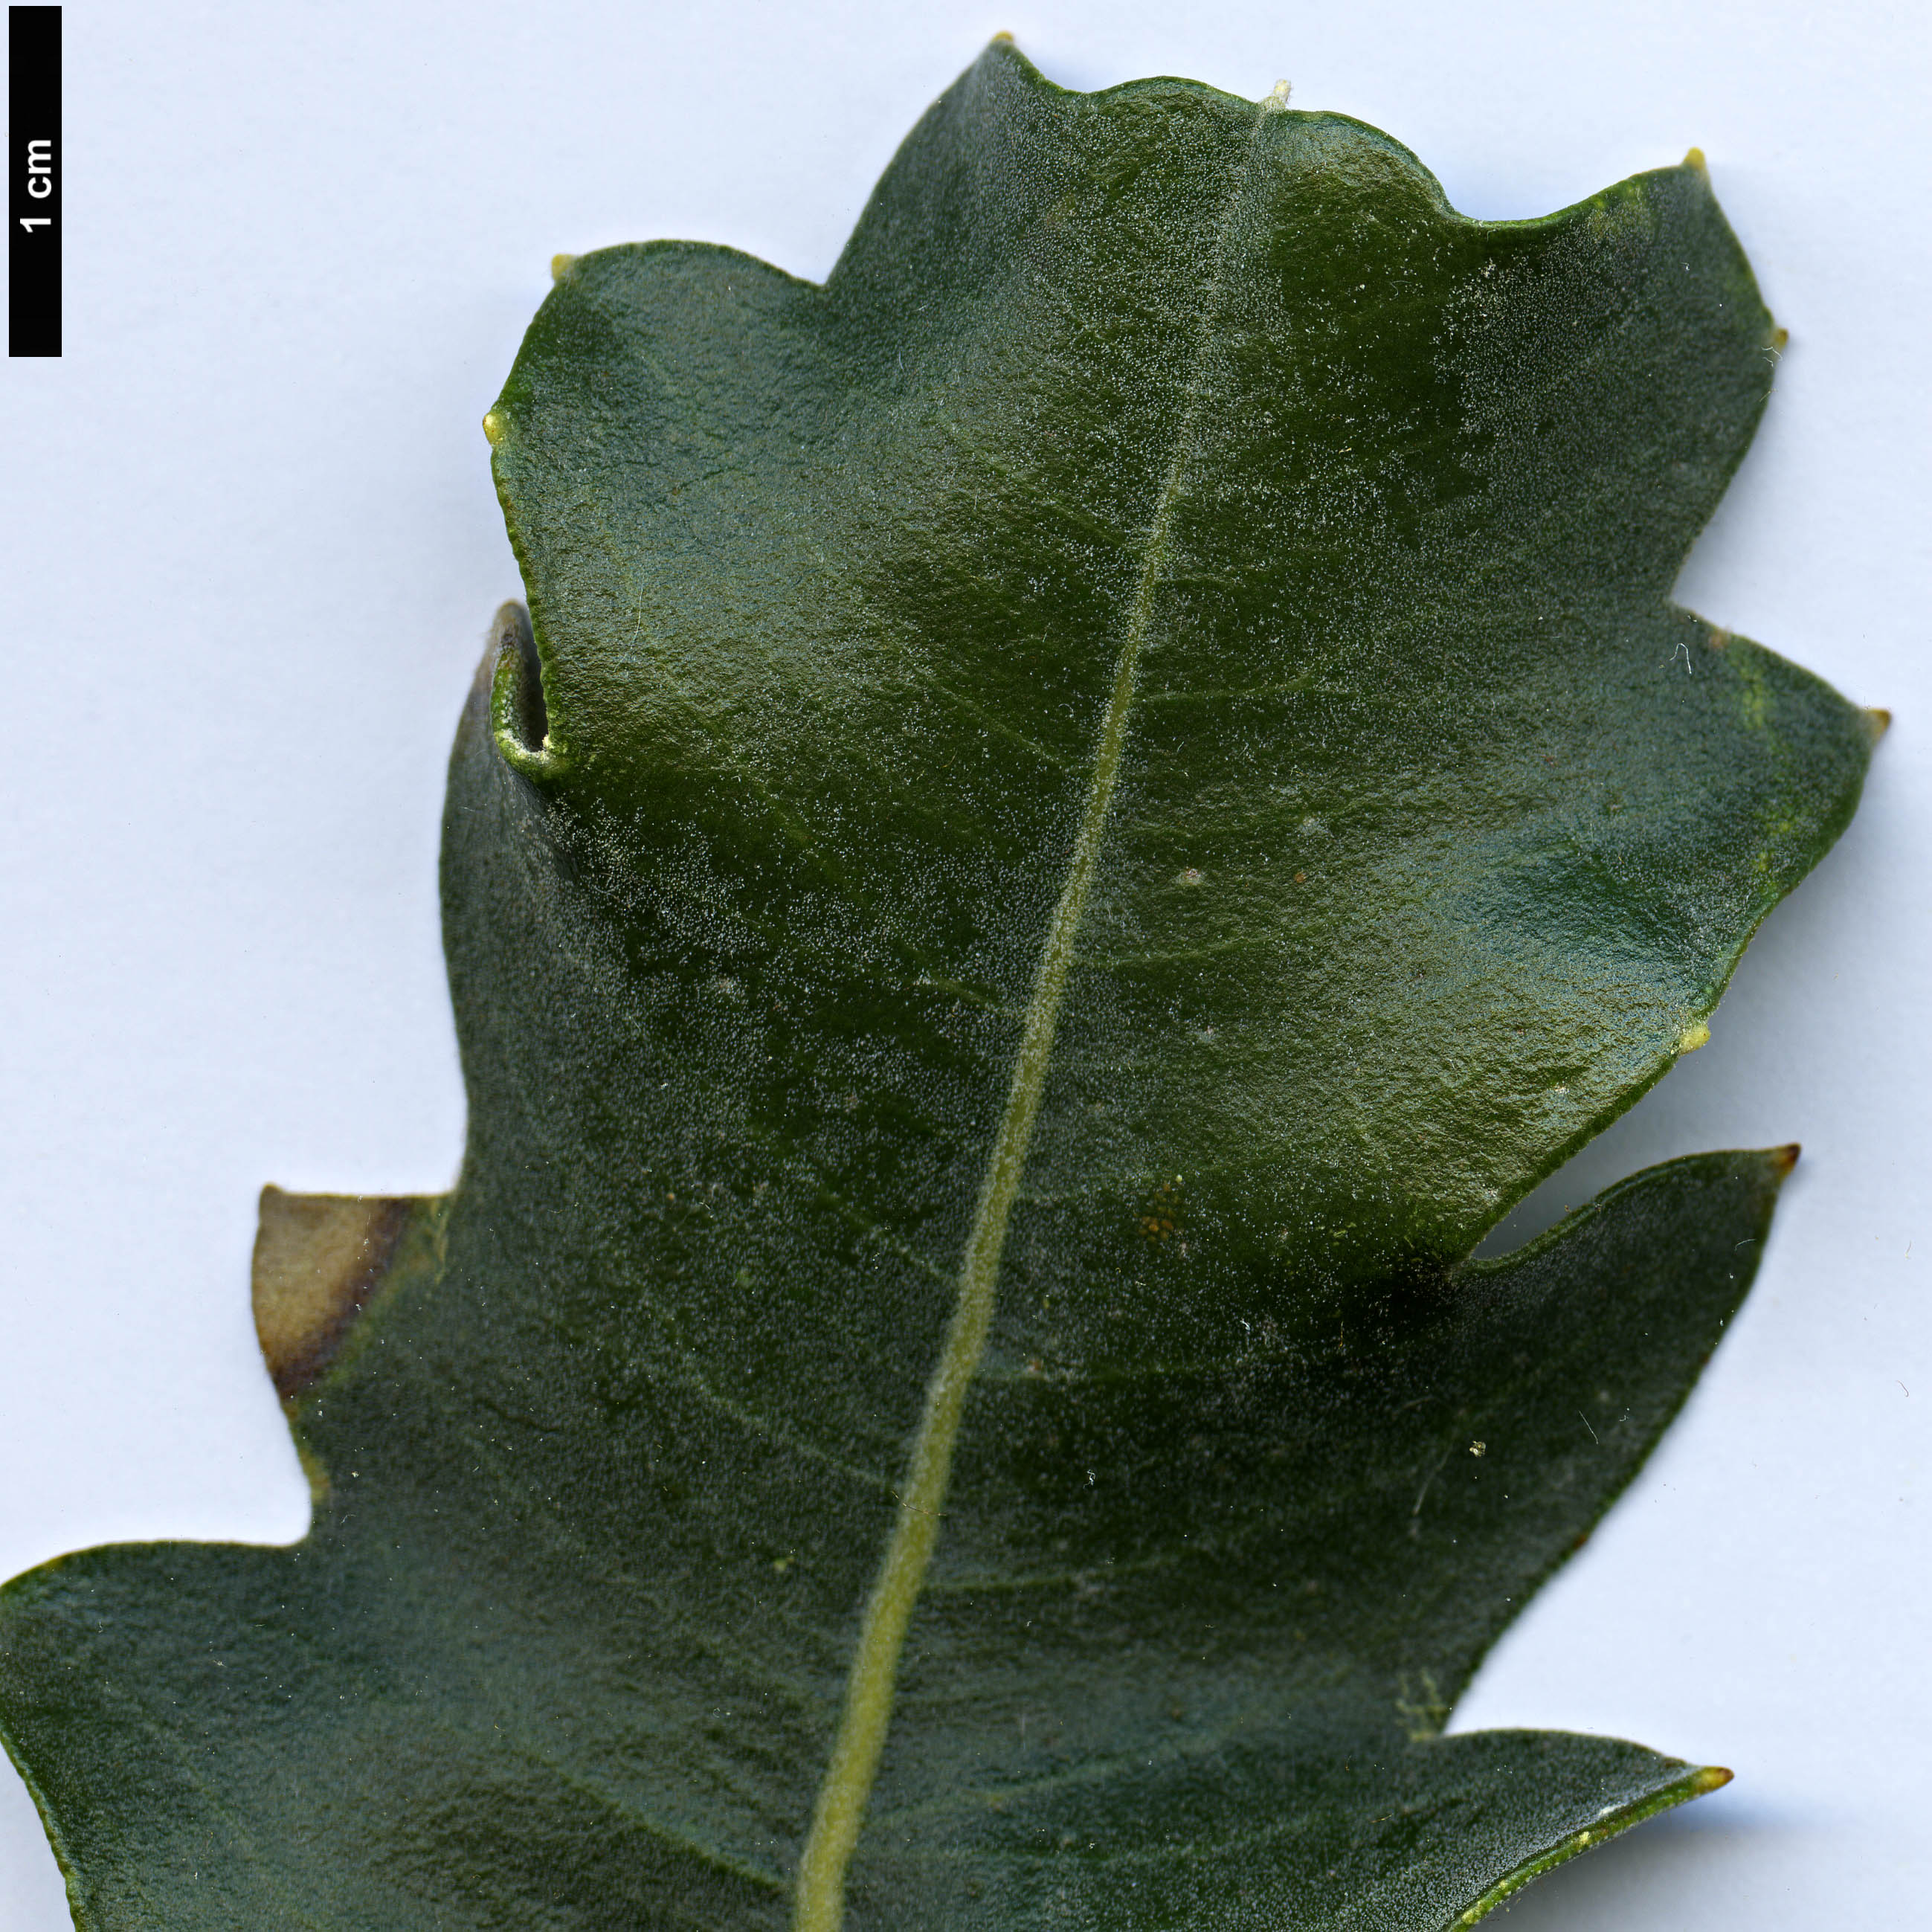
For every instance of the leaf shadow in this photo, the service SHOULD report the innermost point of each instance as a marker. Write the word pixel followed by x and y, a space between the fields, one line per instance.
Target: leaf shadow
pixel 33 1896
pixel 1678 1870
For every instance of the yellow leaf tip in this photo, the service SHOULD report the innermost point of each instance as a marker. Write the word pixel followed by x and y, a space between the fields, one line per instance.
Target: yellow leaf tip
pixel 493 426
pixel 561 265
pixel 1694 158
pixel 1878 722
pixel 1001 39
pixel 1780 339
pixel 1713 1776
pixel 1692 1036
pixel 1784 1159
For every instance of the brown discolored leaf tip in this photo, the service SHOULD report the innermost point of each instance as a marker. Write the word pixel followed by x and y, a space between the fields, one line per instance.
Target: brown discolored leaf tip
pixel 1783 1160
pixel 318 1259
pixel 1710 1777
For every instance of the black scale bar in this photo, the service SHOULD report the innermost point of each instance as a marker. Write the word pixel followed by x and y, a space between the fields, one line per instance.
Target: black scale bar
pixel 34 197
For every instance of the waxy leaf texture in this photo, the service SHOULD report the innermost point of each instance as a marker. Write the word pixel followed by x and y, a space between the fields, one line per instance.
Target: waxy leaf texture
pixel 1075 814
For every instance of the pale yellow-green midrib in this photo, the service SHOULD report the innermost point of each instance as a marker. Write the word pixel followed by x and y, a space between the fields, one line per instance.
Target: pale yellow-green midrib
pixel 820 1899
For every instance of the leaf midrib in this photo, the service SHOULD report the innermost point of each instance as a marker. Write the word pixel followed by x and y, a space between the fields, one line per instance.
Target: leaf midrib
pixel 839 1813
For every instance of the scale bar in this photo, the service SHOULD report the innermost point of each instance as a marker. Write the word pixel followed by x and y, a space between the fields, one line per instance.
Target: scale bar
pixel 34 197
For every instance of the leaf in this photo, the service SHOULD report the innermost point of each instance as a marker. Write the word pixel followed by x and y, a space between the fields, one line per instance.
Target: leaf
pixel 1078 813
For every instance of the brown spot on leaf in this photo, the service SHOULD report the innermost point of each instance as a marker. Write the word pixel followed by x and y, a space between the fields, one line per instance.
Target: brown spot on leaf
pixel 1163 1212
pixel 318 1259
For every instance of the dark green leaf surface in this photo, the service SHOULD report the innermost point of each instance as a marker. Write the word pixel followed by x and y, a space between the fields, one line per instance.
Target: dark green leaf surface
pixel 1087 805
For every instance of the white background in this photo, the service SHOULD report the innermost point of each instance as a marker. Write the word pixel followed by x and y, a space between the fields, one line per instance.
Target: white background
pixel 250 547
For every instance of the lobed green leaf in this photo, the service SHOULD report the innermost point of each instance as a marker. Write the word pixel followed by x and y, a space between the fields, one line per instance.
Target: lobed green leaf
pixel 1076 814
